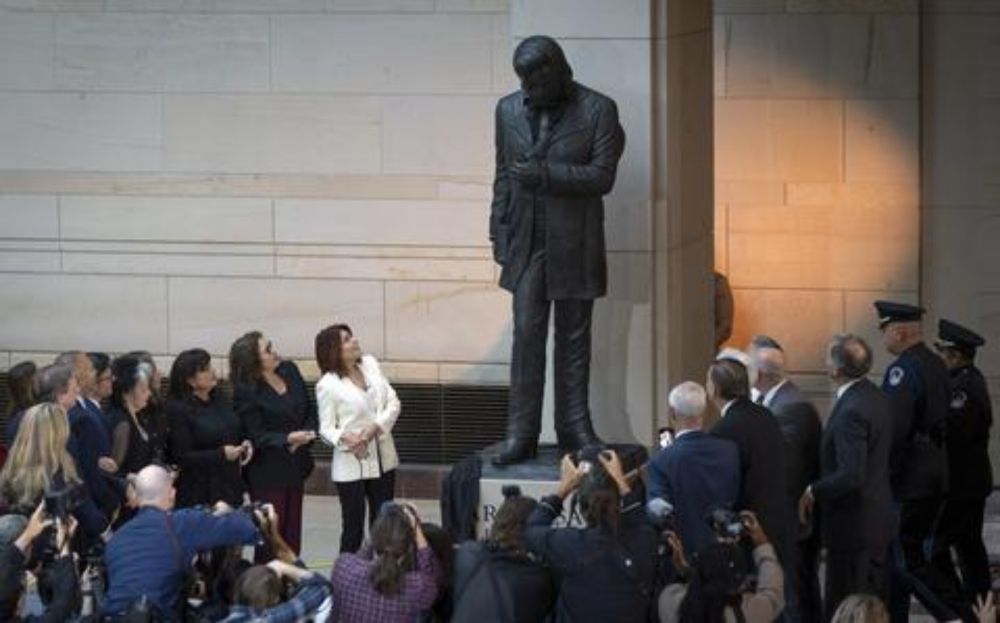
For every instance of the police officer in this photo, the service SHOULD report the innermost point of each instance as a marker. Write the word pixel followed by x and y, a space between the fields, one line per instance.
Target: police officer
pixel 916 384
pixel 970 416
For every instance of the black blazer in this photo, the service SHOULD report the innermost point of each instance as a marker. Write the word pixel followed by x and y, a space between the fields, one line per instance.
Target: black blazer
pixel 198 431
pixel 853 493
pixel 801 429
pixel 970 416
pixel 581 160
pixel 267 419
pixel 763 486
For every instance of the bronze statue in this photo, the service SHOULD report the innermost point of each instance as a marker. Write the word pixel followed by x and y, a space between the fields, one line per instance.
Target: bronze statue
pixel 557 149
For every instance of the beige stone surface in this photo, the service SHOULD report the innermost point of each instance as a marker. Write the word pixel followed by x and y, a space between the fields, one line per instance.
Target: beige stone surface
pixel 447 322
pixel 161 52
pixel 272 133
pixel 80 131
pixel 380 6
pixel 831 56
pixel 748 6
pixel 25 51
pixel 960 244
pixel 445 223
pixel 472 6
pixel 53 5
pixel 444 134
pixel 28 216
pixel 801 320
pixel 882 141
pixel 439 53
pixel 213 312
pixel 397 269
pixel 166 218
pixel 23 261
pixel 608 19
pixel 474 373
pixel 217 6
pixel 764 140
pixel 55 312
pixel 230 264
pixel 860 6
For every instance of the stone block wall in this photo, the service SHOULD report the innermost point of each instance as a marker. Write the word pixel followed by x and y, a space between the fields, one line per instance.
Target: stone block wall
pixel 817 168
pixel 175 172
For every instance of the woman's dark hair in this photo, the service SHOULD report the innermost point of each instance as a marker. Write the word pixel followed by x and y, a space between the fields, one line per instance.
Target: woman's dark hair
pixel 599 500
pixel 258 588
pixel 127 371
pixel 329 349
pixel 187 364
pixel 101 362
pixel 717 580
pixel 244 359
pixel 21 385
pixel 394 545
pixel 508 525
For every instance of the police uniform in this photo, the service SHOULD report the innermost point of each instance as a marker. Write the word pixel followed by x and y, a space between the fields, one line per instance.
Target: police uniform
pixel 970 416
pixel 917 386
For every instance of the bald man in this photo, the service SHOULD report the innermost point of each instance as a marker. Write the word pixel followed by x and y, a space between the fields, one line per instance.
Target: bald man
pixel 150 556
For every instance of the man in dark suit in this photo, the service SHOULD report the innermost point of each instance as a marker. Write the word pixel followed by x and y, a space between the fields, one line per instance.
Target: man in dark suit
pixel 918 389
pixel 557 150
pixel 91 446
pixel 801 430
pixel 698 473
pixel 970 417
pixel 853 490
pixel 762 454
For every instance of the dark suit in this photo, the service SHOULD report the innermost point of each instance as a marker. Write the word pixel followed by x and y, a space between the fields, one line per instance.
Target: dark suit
pixel 801 430
pixel 550 242
pixel 918 389
pixel 91 442
pixel 697 474
pixel 762 468
pixel 970 418
pixel 853 493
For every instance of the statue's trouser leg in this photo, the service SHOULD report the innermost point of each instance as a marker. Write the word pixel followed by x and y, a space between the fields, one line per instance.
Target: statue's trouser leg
pixel 572 372
pixel 527 366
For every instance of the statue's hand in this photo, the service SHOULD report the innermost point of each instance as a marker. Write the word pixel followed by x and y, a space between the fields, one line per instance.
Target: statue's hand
pixel 527 172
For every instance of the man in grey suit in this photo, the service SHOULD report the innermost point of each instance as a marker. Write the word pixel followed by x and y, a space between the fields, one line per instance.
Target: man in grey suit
pixel 557 149
pixel 801 431
pixel 853 489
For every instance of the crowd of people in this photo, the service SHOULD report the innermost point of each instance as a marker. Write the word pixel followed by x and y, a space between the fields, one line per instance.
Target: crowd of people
pixel 124 505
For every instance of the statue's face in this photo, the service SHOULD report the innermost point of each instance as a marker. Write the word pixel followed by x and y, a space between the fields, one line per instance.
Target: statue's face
pixel 543 86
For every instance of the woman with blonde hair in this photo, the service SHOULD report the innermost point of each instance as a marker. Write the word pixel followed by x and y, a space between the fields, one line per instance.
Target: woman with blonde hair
pixel 860 608
pixel 39 463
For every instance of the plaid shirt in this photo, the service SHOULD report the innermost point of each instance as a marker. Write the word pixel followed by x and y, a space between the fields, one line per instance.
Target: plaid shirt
pixel 355 600
pixel 308 597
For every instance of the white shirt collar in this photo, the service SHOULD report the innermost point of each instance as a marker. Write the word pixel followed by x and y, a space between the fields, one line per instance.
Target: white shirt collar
pixel 769 396
pixel 726 406
pixel 681 433
pixel 846 386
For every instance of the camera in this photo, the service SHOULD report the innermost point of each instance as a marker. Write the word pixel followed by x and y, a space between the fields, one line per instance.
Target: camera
pixel 726 524
pixel 60 503
pixel 251 509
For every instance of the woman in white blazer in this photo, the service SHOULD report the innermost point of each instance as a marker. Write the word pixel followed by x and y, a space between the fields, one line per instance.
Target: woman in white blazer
pixel 357 410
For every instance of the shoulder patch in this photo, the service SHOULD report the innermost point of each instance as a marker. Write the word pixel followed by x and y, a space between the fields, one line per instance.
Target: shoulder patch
pixel 896 374
pixel 958 399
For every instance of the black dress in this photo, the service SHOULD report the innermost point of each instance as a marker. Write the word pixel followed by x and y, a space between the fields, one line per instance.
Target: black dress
pixel 268 418
pixel 132 448
pixel 198 432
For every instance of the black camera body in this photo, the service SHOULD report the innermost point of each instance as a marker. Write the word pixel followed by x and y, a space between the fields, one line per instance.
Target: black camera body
pixel 60 503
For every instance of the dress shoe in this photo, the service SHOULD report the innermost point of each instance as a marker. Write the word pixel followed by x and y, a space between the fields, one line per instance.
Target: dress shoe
pixel 516 451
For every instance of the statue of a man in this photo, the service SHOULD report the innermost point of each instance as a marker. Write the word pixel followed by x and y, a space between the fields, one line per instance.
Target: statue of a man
pixel 557 149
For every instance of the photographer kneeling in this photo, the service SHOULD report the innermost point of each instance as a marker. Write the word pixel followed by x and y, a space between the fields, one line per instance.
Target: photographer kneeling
pixel 19 553
pixel 719 587
pixel 150 556
pixel 607 571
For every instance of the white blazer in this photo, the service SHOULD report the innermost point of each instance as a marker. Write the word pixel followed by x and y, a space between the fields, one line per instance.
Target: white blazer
pixel 343 407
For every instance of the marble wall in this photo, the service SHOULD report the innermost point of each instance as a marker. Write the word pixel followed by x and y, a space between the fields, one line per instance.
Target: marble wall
pixel 817 167
pixel 175 172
